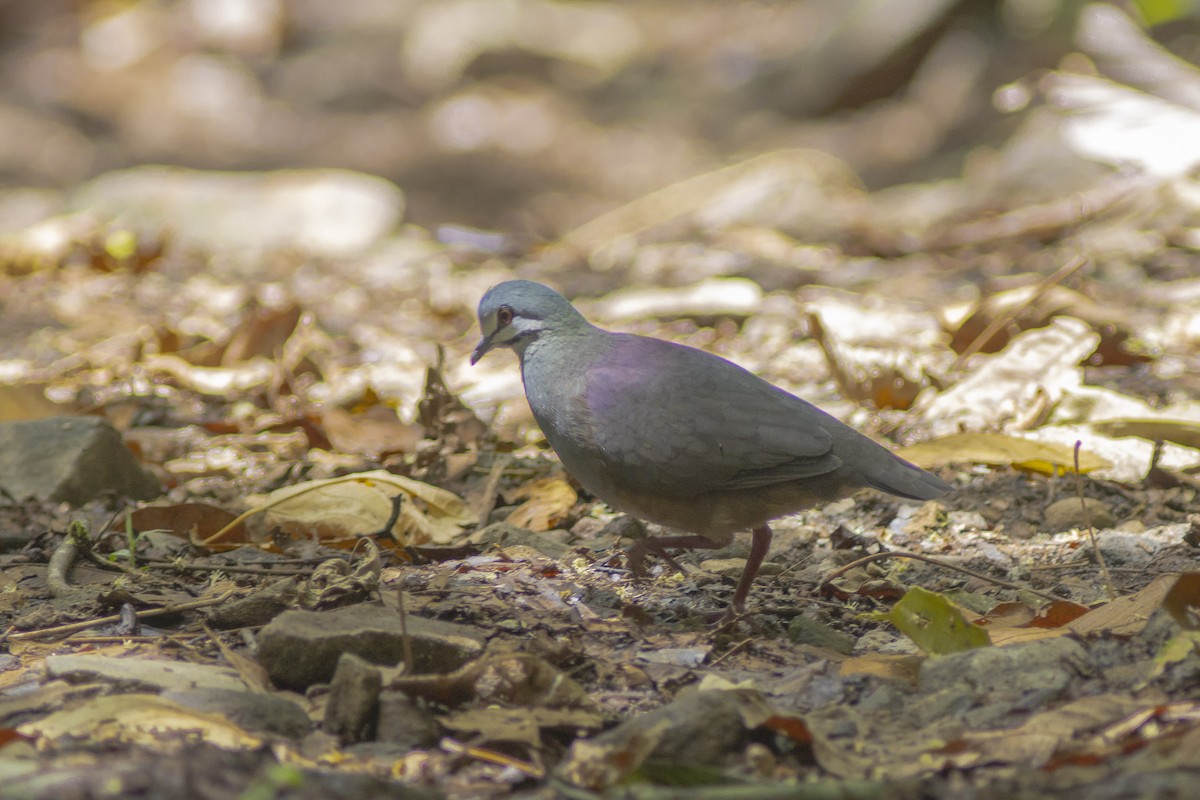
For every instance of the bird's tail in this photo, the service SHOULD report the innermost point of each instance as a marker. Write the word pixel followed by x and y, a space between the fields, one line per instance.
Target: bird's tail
pixel 904 479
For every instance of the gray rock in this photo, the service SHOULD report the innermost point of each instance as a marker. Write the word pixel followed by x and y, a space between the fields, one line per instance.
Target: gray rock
pixel 353 707
pixel 506 534
pixel 699 729
pixel 404 723
pixel 1067 513
pixel 253 711
pixel 803 630
pixel 257 608
pixel 71 460
pixel 984 685
pixel 300 648
pixel 1122 549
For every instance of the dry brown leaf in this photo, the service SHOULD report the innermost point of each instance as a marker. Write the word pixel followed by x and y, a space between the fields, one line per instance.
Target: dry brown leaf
pixel 145 719
pixel 1178 431
pixel 261 333
pixel 1126 615
pixel 884 665
pixel 549 501
pixel 22 401
pixel 255 373
pixel 374 432
pixel 1021 615
pixel 1035 741
pixel 521 725
pixel 1000 449
pixel 1006 636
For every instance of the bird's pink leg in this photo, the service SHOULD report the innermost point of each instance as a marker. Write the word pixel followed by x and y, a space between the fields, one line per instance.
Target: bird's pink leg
pixel 760 543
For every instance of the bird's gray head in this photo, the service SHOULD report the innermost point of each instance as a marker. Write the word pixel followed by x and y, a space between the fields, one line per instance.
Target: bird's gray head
pixel 514 313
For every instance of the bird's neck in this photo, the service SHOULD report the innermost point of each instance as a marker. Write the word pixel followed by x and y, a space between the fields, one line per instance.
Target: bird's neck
pixel 554 345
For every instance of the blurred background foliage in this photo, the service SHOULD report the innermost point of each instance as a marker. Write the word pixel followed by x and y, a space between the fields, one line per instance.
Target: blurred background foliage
pixel 529 116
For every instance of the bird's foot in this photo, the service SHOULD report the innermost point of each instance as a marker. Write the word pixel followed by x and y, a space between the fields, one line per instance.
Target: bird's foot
pixel 636 553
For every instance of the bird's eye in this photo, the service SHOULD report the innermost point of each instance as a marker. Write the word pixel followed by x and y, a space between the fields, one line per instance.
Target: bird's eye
pixel 504 316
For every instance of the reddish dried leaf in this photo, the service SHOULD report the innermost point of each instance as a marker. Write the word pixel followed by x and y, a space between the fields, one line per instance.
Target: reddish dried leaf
pixel 261 333
pixel 194 521
pixel 791 727
pixel 1057 614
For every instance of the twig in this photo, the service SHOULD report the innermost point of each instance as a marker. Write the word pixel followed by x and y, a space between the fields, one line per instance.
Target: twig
pixel 61 562
pixel 153 612
pixel 1087 520
pixel 386 531
pixel 902 554
pixel 123 639
pixel 742 645
pixel 529 768
pixel 488 502
pixel 1008 316
pixel 267 571
pixel 405 638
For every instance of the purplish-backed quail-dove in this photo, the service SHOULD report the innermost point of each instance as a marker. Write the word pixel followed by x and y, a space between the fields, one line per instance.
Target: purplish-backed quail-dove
pixel 678 436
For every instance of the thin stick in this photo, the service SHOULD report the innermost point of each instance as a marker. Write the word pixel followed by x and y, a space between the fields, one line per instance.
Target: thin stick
pixel 902 554
pixel 58 570
pixel 494 757
pixel 488 502
pixel 742 645
pixel 153 612
pixel 1008 316
pixel 405 638
pixel 1091 530
pixel 231 569
pixel 123 639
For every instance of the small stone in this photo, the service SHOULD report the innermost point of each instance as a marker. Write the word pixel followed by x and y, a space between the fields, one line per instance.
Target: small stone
pixel 504 534
pixel 624 527
pixel 802 630
pixel 1067 513
pixel 70 460
pixel 1122 549
pixel 698 728
pixel 300 648
pixel 258 608
pixel 253 711
pixel 353 707
pixel 403 722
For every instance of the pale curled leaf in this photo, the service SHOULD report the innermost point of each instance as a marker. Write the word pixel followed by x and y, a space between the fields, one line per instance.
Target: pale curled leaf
pixel 1019 385
pixel 548 501
pixel 144 719
pixel 359 504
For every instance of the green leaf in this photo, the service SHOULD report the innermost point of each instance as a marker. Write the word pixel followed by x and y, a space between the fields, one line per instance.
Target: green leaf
pixel 1156 12
pixel 934 624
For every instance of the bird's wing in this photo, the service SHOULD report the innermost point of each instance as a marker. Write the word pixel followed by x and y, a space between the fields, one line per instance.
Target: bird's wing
pixel 677 420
